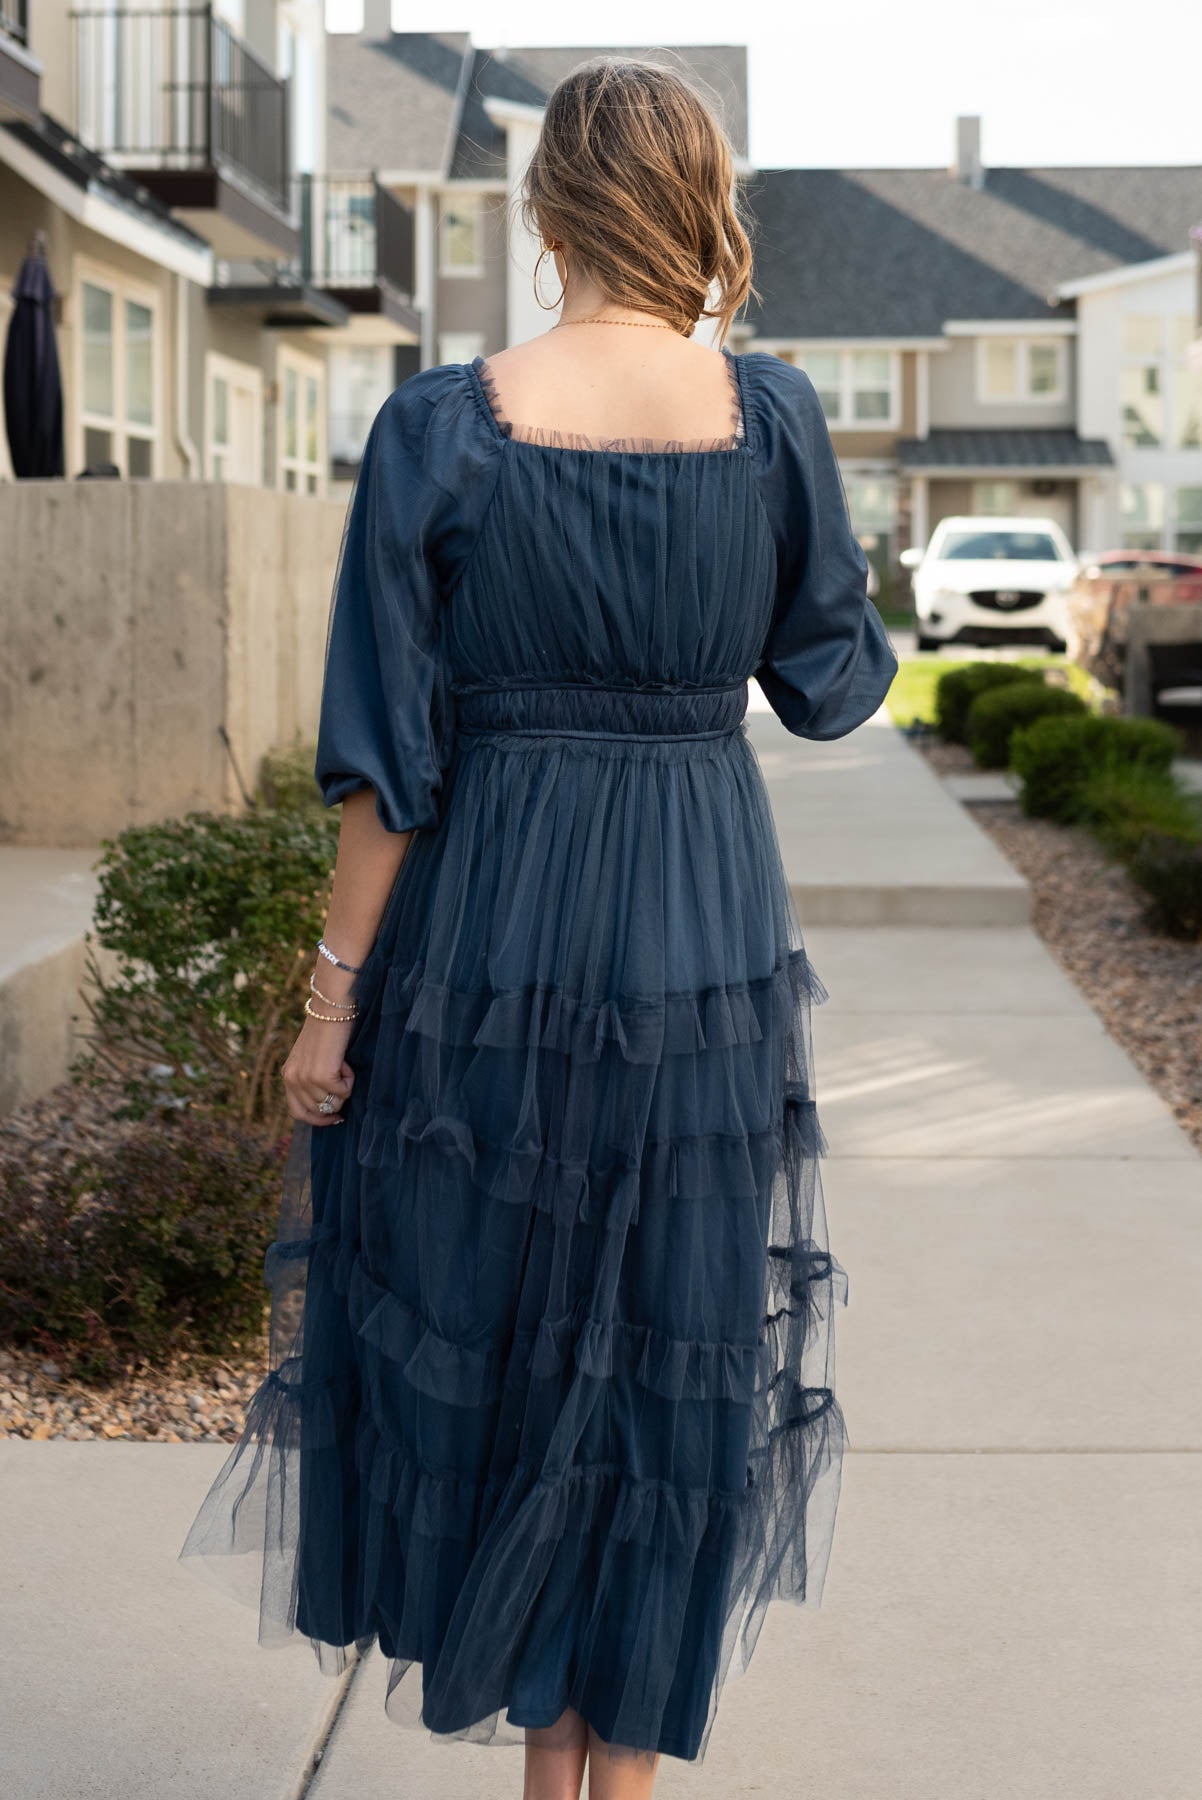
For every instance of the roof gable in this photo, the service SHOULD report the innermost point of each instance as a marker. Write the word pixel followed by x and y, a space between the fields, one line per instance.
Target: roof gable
pixel 896 252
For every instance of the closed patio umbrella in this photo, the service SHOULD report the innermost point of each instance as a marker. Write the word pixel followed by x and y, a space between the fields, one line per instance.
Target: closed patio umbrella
pixel 33 388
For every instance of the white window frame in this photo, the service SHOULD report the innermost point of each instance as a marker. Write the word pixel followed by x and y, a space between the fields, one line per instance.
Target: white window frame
pixel 304 368
pixel 123 291
pixel 234 374
pixel 449 201
pixel 847 389
pixel 1022 345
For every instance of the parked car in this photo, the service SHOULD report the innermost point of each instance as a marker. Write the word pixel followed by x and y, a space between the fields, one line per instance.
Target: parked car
pixel 992 581
pixel 1101 599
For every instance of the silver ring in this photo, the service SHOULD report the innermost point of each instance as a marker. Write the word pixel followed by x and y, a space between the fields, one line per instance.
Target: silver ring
pixel 329 1104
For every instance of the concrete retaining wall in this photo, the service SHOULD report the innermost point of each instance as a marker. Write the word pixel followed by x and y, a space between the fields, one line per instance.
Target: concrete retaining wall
pixel 140 619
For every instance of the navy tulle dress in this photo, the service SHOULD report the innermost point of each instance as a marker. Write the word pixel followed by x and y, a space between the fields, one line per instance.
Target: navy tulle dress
pixel 550 1413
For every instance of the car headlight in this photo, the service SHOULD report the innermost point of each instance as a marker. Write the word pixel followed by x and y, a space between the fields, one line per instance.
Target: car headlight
pixel 946 594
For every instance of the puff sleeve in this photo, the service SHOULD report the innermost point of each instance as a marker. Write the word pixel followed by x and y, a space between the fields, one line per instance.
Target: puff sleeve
pixel 386 717
pixel 827 662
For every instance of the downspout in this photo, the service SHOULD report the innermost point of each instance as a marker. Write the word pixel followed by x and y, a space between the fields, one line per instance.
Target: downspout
pixel 183 439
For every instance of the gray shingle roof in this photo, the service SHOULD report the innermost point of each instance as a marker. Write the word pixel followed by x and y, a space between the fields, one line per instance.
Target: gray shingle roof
pixel 1017 448
pixel 896 252
pixel 416 100
pixel 480 145
pixel 394 102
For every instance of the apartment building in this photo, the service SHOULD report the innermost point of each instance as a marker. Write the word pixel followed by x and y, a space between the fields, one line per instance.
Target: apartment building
pixel 171 160
pixel 992 340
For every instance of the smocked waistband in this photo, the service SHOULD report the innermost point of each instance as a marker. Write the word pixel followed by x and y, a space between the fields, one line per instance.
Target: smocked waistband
pixel 585 710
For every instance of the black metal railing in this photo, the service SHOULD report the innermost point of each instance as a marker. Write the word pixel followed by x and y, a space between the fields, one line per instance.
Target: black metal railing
pixel 14 20
pixel 176 89
pixel 354 233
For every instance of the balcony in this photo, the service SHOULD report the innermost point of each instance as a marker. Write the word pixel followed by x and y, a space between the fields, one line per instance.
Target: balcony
pixel 176 99
pixel 357 245
pixel 354 266
pixel 20 73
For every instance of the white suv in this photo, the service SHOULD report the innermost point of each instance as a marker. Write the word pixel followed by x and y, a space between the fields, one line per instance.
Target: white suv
pixel 992 581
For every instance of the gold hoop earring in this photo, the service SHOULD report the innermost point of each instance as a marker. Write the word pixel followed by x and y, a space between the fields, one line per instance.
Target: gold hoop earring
pixel 547 251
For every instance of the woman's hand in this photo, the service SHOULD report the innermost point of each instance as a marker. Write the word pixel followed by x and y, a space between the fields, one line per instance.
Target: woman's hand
pixel 317 1066
pixel 369 858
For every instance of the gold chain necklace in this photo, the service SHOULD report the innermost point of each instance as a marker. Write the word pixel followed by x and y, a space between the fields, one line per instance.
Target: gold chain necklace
pixel 644 324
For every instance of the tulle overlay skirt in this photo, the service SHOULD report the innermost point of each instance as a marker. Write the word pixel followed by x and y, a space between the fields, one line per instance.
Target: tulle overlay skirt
pixel 550 1412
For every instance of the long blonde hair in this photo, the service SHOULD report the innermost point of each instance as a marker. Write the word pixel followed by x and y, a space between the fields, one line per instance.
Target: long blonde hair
pixel 633 176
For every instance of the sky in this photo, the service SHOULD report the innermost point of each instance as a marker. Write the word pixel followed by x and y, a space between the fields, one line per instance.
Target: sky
pixel 878 83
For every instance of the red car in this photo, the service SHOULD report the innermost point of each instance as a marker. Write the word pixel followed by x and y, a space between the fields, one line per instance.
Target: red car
pixel 1108 586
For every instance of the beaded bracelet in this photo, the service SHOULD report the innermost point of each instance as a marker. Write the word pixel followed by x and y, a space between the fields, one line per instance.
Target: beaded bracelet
pixel 338 1005
pixel 337 961
pixel 330 1018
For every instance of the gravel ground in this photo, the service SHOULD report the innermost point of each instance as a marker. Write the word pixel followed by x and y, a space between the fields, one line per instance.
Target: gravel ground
pixel 188 1402
pixel 1146 989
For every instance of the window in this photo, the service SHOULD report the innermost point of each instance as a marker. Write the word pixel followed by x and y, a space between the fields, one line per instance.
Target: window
pixel 825 370
pixel 361 379
pixel 460 235
pixel 1161 393
pixel 233 421
pixel 1185 385
pixel 856 387
pixel 999 546
pixel 1020 370
pixel 872 503
pixel 999 498
pixel 459 346
pixel 301 384
pixel 118 382
pixel 1142 383
pixel 1188 520
pixel 871 386
pixel 1143 512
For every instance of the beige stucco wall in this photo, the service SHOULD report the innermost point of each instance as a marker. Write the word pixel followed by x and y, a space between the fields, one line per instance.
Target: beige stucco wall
pixel 141 618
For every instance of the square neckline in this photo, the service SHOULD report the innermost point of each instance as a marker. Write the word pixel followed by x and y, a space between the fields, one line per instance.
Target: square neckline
pixel 739 440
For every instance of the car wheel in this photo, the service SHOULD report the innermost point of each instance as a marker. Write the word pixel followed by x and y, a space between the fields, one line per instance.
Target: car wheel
pixel 929 643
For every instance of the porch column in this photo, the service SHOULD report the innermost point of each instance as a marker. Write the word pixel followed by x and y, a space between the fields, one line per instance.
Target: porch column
pixel 920 512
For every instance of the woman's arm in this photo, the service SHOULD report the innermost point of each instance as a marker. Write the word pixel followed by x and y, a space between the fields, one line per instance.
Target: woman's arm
pixel 369 857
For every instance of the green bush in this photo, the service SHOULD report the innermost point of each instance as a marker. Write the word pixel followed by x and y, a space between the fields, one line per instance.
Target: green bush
pixel 956 690
pixel 995 714
pixel 287 781
pixel 1055 757
pixel 149 1248
pixel 1123 803
pixel 209 923
pixel 1170 874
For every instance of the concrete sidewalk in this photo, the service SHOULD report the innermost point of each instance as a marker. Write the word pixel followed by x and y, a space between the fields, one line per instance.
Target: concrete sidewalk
pixel 1015 1592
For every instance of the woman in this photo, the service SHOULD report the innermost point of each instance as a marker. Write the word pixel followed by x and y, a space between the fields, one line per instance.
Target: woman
pixel 562 1421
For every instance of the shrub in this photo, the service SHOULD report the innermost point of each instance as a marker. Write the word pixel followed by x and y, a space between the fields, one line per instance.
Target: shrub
pixel 1055 757
pixel 287 781
pixel 1170 874
pixel 956 690
pixel 995 714
pixel 152 1246
pixel 1125 802
pixel 209 923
